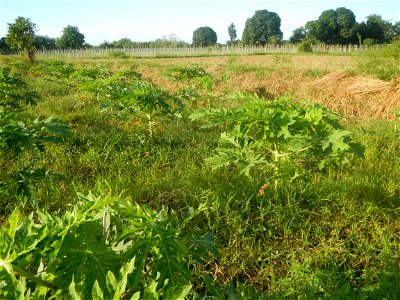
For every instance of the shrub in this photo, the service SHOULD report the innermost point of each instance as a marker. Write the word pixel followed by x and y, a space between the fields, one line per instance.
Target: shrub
pixel 14 93
pixel 304 47
pixel 118 54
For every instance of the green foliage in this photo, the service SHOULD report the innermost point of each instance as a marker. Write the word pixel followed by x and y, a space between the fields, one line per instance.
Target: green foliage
pixel 276 134
pixel 105 248
pixel 340 27
pixel 144 98
pixel 382 63
pixel 20 183
pixel 53 70
pixel 369 42
pixel 334 27
pixel 21 36
pixel 262 28
pixel 304 47
pixel 322 235
pixel 204 36
pixel 196 76
pixel 71 38
pixel 118 54
pixel 4 46
pixel 45 42
pixel 168 41
pixel 18 135
pixel 298 35
pixel 375 29
pixel 14 93
pixel 91 74
pixel 332 283
pixel 187 73
pixel 232 33
pixel 110 88
pixel 128 75
pixel 126 99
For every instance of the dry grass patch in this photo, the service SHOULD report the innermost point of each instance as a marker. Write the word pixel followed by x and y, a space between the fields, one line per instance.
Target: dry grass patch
pixel 357 96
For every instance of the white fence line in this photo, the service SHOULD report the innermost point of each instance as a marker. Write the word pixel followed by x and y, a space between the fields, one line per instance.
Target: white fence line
pixel 210 51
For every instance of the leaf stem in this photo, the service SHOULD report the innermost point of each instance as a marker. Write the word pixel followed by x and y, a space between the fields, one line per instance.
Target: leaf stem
pixel 24 273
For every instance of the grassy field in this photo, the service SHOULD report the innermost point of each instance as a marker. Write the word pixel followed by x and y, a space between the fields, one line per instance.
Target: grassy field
pixel 310 234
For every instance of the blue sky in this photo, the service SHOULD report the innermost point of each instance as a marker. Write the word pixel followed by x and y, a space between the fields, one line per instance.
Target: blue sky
pixel 148 20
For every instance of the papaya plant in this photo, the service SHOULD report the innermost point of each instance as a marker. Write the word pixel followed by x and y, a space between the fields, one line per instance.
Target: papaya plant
pixel 197 77
pixel 53 70
pixel 143 100
pixel 102 248
pixel 277 134
pixel 19 134
pixel 180 73
pixel 14 93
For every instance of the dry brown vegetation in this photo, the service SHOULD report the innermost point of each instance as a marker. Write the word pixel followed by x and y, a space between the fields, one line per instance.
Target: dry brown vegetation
pixel 329 80
pixel 358 96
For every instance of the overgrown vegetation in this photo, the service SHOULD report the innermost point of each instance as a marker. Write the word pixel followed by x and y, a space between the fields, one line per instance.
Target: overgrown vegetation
pixel 103 248
pixel 383 63
pixel 161 149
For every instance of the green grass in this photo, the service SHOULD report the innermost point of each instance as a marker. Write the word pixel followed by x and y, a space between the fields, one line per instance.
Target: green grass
pixel 383 63
pixel 330 235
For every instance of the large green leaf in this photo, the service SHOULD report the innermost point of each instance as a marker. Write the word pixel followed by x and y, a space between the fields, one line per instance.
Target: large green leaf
pixel 278 134
pixel 85 255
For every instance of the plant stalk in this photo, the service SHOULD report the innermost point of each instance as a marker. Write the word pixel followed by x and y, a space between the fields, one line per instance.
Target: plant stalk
pixel 24 273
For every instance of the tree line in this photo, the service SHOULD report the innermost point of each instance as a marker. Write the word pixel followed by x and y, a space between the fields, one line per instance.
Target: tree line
pixel 332 27
pixel 21 36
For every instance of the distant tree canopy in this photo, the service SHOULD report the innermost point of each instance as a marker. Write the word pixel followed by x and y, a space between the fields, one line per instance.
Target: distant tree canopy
pixel 262 28
pixel 170 40
pixel 21 36
pixel 232 33
pixel 377 30
pixel 334 27
pixel 340 27
pixel 298 35
pixel 71 38
pixel 44 42
pixel 4 46
pixel 204 36
pixel 395 31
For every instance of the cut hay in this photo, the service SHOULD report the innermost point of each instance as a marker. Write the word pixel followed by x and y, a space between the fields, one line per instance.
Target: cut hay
pixel 362 97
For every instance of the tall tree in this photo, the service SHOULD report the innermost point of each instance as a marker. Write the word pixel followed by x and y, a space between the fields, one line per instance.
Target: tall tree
pixel 204 36
pixel 334 27
pixel 375 29
pixel 395 31
pixel 21 36
pixel 298 35
pixel 232 33
pixel 347 26
pixel 45 42
pixel 71 38
pixel 123 43
pixel 4 47
pixel 327 27
pixel 262 28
